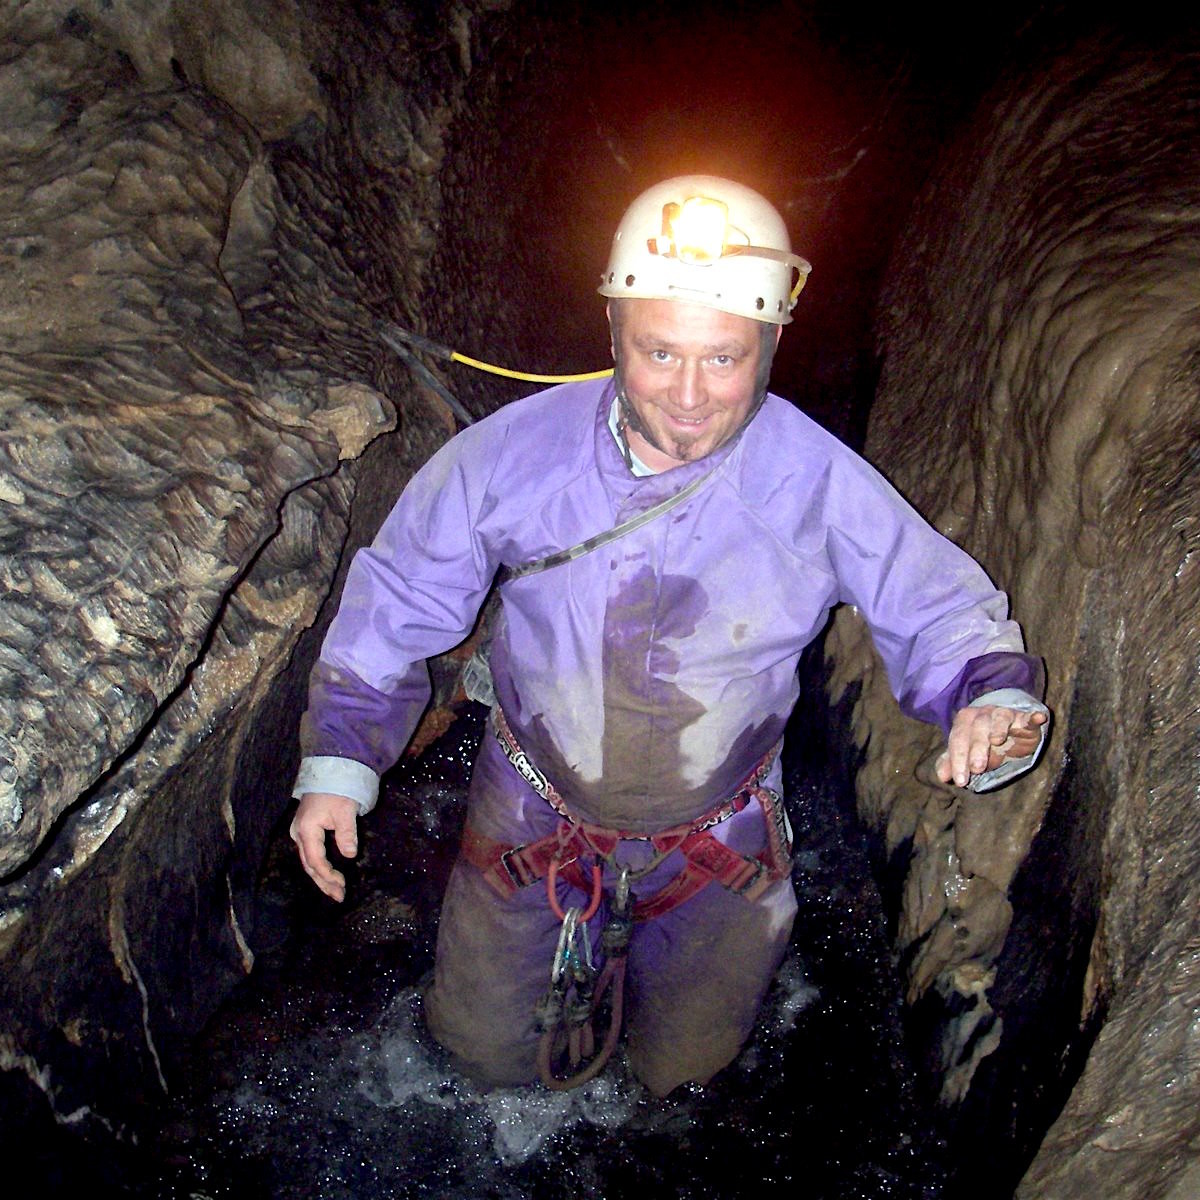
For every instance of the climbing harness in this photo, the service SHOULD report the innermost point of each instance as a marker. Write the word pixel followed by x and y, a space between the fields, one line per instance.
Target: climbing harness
pixel 575 990
pixel 508 868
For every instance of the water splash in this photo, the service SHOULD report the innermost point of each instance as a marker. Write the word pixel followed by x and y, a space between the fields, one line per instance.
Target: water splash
pixel 400 1067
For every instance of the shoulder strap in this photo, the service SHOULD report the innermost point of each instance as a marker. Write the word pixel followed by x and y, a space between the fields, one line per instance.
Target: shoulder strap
pixel 602 539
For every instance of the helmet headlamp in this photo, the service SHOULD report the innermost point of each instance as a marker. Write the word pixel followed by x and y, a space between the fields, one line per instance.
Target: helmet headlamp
pixel 710 241
pixel 696 231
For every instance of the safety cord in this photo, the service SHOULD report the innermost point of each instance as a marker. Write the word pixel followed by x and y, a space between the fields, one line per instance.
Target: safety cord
pixel 392 333
pixel 528 376
pixel 389 335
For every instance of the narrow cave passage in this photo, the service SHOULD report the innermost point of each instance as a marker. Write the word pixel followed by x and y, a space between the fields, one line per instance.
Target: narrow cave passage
pixel 316 1077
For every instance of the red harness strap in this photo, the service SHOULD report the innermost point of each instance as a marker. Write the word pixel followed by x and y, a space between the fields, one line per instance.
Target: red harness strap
pixel 507 868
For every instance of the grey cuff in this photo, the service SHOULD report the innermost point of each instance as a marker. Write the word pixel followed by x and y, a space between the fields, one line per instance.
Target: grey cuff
pixel 339 777
pixel 1022 701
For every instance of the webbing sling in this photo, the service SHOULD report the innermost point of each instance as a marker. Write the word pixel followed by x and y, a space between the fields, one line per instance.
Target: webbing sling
pixel 609 535
pixel 477 673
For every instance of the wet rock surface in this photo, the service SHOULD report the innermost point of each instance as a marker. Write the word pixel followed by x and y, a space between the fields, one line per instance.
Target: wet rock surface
pixel 1038 402
pixel 190 380
pixel 204 209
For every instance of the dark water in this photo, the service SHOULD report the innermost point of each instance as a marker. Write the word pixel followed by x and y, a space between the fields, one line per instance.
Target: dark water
pixel 317 1080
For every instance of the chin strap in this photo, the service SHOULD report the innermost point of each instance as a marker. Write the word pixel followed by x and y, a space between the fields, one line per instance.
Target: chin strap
pixel 623 426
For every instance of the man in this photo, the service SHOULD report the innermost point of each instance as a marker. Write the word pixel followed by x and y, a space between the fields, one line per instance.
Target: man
pixel 642 684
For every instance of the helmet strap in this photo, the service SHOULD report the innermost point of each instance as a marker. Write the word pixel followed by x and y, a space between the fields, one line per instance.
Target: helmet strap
pixel 628 419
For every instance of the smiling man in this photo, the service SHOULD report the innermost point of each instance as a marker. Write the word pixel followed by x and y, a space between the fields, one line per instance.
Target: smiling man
pixel 665 545
pixel 690 376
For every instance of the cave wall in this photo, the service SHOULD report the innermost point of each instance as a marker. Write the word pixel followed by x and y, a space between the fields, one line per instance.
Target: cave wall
pixel 1039 403
pixel 204 208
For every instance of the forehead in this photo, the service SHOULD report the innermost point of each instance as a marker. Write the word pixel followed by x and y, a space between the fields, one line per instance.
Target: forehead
pixel 680 323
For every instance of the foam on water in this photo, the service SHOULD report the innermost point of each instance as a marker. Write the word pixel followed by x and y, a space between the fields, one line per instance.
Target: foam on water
pixel 399 1067
pixel 345 1110
pixel 395 1086
pixel 792 993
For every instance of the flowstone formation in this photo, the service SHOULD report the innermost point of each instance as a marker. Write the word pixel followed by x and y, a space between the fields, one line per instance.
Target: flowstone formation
pixel 1040 402
pixel 205 208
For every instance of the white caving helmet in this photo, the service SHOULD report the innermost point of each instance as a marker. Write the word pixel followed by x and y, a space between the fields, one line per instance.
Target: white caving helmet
pixel 708 241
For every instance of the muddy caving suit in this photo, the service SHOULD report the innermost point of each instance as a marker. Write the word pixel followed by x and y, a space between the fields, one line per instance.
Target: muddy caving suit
pixel 646 681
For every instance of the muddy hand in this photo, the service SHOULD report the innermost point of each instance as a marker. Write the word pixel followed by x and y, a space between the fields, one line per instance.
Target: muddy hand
pixel 321 813
pixel 983 738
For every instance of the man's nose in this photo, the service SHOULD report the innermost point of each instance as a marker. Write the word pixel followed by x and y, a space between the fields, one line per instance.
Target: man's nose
pixel 689 387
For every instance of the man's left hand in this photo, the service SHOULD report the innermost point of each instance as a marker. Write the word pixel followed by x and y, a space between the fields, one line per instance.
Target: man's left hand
pixel 983 738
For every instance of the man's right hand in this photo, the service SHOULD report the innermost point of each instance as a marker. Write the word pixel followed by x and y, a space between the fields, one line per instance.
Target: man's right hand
pixel 320 813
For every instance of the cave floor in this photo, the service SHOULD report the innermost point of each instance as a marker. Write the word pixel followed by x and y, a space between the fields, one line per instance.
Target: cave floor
pixel 317 1078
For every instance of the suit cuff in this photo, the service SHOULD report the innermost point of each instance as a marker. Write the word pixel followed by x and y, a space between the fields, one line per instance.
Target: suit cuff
pixel 340 777
pixel 1021 701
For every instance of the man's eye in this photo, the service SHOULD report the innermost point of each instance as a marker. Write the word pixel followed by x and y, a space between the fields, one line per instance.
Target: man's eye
pixel 659 356
pixel 722 360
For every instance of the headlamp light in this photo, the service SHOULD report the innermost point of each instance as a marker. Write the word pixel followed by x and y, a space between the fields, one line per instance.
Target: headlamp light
pixel 705 240
pixel 696 231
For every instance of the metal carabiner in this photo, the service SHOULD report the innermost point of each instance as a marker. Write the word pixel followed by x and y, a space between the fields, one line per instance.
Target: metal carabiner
pixel 621 892
pixel 566 940
pixel 573 955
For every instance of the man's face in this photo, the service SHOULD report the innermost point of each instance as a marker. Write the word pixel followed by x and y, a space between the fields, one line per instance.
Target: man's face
pixel 690 376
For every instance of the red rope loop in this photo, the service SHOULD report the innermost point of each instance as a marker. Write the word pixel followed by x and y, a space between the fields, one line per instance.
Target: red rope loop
pixel 594 903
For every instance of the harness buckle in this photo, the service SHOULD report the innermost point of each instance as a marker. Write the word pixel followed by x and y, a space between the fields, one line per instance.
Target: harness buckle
pixel 742 887
pixel 518 871
pixel 512 867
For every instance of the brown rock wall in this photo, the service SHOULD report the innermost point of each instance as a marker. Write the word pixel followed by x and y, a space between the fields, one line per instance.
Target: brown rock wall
pixel 204 208
pixel 1039 403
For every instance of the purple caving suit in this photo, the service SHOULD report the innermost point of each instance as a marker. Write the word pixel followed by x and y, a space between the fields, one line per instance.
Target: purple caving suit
pixel 645 679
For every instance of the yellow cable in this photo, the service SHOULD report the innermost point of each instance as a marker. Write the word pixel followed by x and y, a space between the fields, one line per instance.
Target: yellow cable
pixel 528 376
pixel 801 280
